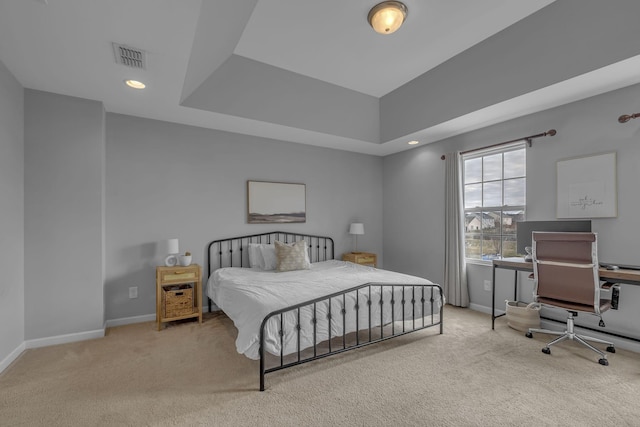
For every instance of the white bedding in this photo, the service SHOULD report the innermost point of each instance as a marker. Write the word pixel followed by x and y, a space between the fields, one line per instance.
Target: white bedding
pixel 247 295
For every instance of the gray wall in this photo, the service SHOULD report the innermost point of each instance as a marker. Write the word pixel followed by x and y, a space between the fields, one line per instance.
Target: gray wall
pixel 528 55
pixel 167 180
pixel 414 194
pixel 255 90
pixel 11 213
pixel 63 214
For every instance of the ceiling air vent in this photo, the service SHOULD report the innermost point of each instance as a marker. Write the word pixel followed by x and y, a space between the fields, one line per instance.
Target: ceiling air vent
pixel 130 56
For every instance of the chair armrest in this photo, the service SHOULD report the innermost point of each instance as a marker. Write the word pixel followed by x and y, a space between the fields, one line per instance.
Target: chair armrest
pixel 614 288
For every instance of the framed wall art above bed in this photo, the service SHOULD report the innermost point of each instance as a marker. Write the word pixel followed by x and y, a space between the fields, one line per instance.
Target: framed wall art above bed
pixel 275 202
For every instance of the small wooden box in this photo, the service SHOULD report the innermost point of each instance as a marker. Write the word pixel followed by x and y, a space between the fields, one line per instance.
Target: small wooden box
pixel 178 300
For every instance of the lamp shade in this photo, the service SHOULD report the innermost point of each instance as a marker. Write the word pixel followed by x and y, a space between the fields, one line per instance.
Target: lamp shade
pixel 387 17
pixel 356 228
pixel 172 246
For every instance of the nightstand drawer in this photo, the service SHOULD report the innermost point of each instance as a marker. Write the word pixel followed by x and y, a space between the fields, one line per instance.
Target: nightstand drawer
pixel 362 258
pixel 178 275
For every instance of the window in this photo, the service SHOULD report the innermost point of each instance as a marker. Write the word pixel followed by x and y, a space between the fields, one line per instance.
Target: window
pixel 494 200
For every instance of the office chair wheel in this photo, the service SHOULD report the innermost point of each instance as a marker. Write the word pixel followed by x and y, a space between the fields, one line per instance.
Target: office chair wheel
pixel 547 350
pixel 528 335
pixel 611 349
pixel 603 362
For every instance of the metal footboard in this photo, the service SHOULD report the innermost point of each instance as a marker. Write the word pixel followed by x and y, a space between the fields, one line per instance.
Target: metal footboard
pixel 346 320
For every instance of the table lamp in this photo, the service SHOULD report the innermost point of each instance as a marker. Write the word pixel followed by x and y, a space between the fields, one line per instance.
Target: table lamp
pixel 355 229
pixel 172 249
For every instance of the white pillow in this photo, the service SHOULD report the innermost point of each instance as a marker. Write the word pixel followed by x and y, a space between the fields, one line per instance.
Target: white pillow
pixel 255 256
pixel 269 259
pixel 292 257
pixel 306 253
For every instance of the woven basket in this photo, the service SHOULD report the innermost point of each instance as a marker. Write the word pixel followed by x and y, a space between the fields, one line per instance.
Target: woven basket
pixel 178 302
pixel 522 316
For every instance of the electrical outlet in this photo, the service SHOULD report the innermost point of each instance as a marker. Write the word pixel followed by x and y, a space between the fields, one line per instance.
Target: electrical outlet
pixel 133 292
pixel 487 285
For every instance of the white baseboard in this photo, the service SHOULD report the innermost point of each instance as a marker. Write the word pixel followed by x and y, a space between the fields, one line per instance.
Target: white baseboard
pixel 146 318
pixel 79 336
pixel 11 357
pixel 63 339
pixel 45 342
pixel 130 320
pixel 483 309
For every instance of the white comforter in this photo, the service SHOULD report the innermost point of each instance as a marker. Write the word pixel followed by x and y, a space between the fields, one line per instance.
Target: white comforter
pixel 247 295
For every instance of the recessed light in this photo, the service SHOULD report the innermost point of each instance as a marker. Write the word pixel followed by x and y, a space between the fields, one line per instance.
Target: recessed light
pixel 413 142
pixel 135 84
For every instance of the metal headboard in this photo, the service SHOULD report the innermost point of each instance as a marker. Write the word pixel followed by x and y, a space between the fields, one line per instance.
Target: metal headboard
pixel 232 252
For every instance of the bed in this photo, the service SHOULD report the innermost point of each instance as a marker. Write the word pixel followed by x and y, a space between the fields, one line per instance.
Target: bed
pixel 317 306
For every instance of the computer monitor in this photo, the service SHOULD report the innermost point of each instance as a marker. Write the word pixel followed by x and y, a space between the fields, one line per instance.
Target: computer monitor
pixel 524 229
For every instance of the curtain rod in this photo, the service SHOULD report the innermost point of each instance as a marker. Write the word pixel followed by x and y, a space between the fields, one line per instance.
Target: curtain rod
pixel 529 139
pixel 626 117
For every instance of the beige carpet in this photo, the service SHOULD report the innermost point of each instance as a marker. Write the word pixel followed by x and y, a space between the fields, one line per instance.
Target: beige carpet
pixel 191 375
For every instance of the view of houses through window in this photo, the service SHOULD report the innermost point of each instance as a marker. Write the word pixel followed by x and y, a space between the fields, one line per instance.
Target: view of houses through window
pixel 494 200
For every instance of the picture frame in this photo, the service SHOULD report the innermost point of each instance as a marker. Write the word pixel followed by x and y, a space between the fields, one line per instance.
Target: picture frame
pixel 587 187
pixel 276 202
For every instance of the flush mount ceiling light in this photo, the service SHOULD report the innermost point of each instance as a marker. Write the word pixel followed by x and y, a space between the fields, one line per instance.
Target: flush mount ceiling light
pixel 387 17
pixel 135 84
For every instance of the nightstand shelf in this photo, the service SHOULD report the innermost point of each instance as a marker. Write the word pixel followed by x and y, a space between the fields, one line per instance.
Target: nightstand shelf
pixel 178 293
pixel 362 258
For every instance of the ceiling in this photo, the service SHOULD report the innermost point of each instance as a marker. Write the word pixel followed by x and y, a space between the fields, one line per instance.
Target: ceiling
pixel 310 72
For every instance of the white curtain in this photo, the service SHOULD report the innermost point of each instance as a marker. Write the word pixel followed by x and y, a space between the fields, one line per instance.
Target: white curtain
pixel 455 269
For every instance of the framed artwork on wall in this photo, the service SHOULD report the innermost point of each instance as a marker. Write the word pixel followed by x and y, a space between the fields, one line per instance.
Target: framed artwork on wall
pixel 587 187
pixel 275 202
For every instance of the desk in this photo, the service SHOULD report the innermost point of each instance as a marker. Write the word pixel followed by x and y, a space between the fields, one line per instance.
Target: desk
pixel 630 277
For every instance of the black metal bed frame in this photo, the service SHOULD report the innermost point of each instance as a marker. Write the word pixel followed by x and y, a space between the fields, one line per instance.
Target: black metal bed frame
pixel 228 251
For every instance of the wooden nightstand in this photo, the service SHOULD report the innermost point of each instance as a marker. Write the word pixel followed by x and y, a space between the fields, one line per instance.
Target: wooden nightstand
pixel 362 258
pixel 178 293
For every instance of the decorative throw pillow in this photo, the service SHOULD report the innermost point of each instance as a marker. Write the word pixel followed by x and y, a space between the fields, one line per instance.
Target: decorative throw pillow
pixel 269 261
pixel 292 257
